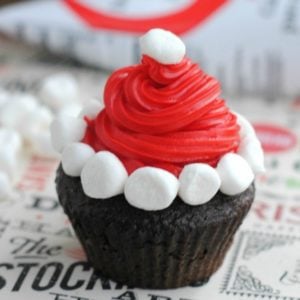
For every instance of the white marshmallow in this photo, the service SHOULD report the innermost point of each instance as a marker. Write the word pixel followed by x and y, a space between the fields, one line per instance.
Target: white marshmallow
pixel 35 121
pixel 246 129
pixel 103 176
pixel 58 90
pixel 29 101
pixel 235 173
pixel 198 183
pixel 163 46
pixel 43 117
pixel 41 144
pixel 31 120
pixel 11 139
pixel 74 157
pixel 250 149
pixel 92 109
pixel 5 186
pixel 10 142
pixel 151 188
pixel 71 110
pixel 66 130
pixel 13 112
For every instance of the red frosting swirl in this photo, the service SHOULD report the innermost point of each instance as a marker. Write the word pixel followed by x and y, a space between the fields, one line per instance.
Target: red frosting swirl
pixel 164 116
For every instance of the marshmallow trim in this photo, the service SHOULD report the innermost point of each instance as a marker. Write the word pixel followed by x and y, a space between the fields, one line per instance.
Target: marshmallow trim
pixel 233 174
pixel 150 188
pixel 103 176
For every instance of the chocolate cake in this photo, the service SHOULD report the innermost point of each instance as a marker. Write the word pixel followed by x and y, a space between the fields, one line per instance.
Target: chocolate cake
pixel 158 179
pixel 168 248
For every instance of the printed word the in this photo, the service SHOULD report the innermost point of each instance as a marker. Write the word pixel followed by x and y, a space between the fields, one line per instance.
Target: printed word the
pixel 30 248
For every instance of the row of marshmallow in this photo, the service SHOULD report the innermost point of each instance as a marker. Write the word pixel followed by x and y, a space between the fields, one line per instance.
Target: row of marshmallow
pixel 104 176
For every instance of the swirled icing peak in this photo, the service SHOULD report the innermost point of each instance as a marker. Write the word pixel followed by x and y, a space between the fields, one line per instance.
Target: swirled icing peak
pixel 163 115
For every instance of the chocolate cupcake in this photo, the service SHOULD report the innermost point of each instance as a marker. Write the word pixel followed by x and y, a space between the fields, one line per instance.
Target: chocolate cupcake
pixel 157 181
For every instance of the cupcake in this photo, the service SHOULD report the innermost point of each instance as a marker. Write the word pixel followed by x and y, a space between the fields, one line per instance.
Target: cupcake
pixel 157 181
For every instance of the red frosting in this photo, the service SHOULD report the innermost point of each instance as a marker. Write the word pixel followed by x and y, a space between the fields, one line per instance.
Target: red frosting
pixel 164 116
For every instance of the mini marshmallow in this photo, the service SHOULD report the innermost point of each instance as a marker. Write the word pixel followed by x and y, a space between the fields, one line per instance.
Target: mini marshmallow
pixel 58 90
pixel 13 112
pixel 43 117
pixel 250 149
pixel 246 129
pixel 163 46
pixel 198 183
pixel 27 98
pixel 151 188
pixel 11 139
pixel 5 187
pixel 103 176
pixel 35 121
pixel 235 173
pixel 24 114
pixel 10 142
pixel 71 110
pixel 41 144
pixel 92 109
pixel 65 130
pixel 74 157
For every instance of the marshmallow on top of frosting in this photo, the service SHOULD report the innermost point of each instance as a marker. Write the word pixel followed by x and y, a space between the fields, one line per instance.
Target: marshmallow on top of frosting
pixel 163 46
pixel 104 175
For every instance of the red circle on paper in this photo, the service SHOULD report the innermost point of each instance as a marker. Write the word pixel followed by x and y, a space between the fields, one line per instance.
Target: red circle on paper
pixel 275 138
pixel 178 21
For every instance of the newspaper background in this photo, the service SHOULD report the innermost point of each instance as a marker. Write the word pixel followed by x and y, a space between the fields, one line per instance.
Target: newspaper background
pixel 41 258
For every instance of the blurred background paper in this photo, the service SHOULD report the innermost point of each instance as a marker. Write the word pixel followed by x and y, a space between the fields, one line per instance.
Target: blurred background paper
pixel 251 46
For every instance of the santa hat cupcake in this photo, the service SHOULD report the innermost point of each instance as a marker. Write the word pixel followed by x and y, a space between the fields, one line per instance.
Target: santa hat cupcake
pixel 157 181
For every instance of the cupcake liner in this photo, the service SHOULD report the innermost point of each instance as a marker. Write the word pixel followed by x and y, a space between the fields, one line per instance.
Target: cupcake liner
pixel 175 247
